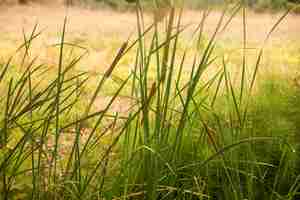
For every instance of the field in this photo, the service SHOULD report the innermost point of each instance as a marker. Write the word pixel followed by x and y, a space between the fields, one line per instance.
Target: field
pixel 115 105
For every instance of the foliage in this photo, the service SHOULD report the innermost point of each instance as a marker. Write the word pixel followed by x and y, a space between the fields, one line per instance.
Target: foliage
pixel 258 5
pixel 184 137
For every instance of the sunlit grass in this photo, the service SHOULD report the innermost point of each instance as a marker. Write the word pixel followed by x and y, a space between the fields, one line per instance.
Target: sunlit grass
pixel 158 117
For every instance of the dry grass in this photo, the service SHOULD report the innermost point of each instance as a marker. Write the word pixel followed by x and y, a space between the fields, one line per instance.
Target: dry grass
pixel 102 32
pixel 105 23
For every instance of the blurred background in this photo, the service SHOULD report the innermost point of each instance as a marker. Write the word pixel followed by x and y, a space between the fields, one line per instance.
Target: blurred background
pixel 258 5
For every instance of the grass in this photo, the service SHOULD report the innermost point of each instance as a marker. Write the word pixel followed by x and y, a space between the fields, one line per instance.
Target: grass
pixel 204 122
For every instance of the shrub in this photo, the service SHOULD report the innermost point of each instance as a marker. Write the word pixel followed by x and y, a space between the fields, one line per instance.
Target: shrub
pixel 294 6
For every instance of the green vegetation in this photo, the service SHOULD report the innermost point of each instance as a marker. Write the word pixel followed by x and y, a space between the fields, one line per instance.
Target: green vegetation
pixel 258 5
pixel 196 128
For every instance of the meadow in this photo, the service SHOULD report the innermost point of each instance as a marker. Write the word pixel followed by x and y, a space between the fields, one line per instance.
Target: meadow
pixel 103 104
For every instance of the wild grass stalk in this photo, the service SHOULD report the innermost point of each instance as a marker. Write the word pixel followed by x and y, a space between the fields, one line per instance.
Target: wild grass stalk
pixel 184 137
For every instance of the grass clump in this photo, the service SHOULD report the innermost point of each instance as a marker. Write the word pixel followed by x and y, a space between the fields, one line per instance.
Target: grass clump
pixel 184 136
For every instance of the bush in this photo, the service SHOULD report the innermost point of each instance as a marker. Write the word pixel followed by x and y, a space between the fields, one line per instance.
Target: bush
pixel 295 7
pixel 261 5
